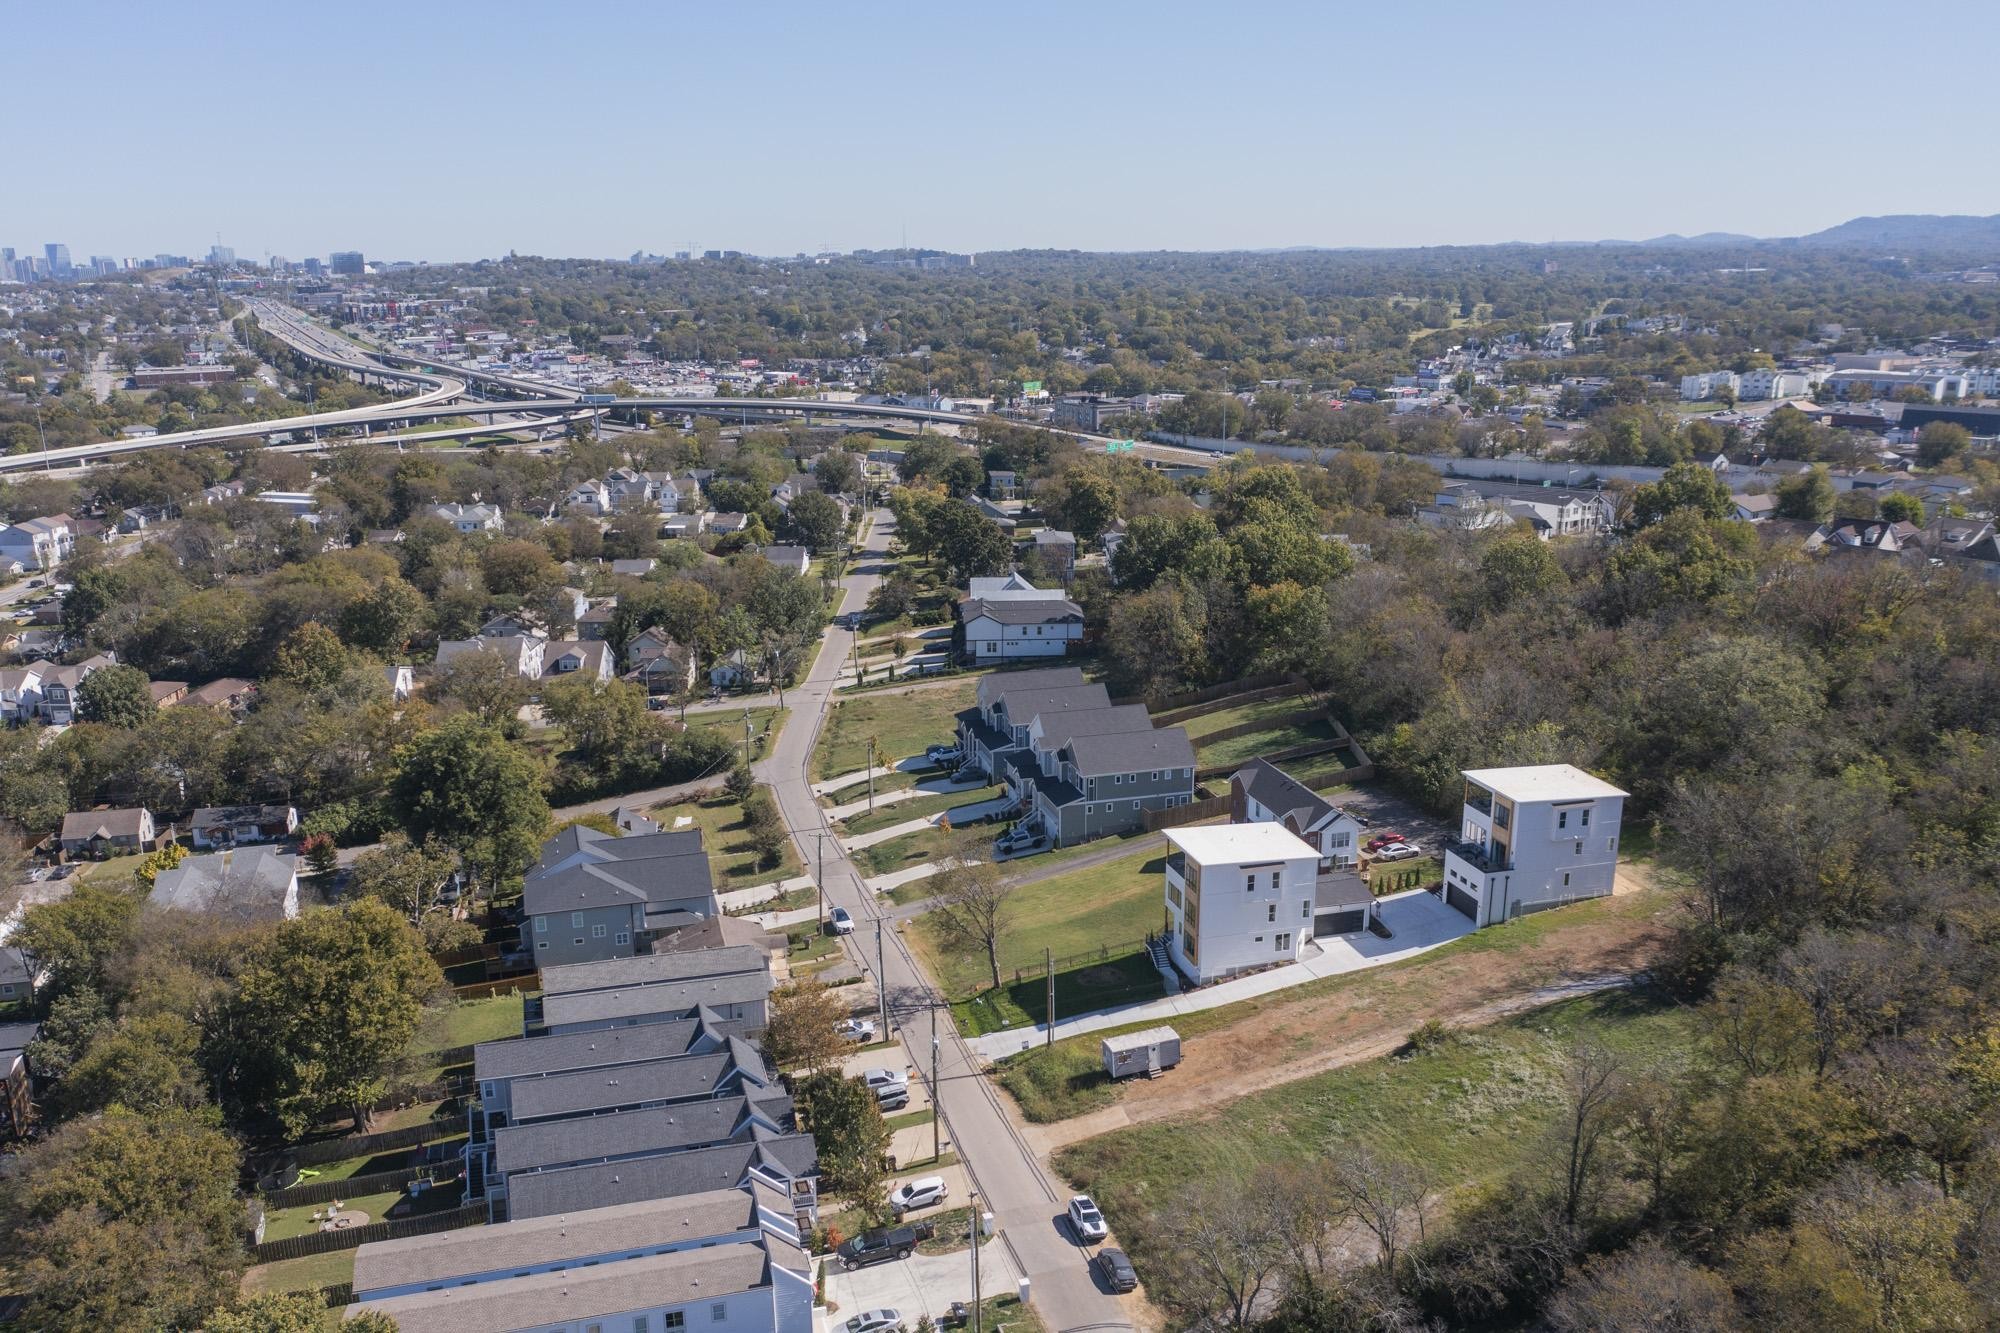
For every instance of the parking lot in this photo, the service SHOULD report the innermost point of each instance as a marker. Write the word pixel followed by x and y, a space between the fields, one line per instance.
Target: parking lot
pixel 923 1284
pixel 1387 810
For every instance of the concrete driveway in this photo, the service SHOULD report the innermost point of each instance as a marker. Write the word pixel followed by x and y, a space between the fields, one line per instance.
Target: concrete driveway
pixel 923 1284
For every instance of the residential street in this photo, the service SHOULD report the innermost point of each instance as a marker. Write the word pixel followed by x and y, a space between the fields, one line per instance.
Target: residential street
pixel 1014 1184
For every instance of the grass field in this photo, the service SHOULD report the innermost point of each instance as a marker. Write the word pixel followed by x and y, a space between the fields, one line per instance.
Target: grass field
pixel 463 1022
pixel 1468 1110
pixel 903 725
pixel 928 844
pixel 915 807
pixel 1395 876
pixel 1237 749
pixel 766 721
pixel 116 872
pixel 725 835
pixel 307 1274
pixel 1104 907
pixel 1068 1080
pixel 1207 724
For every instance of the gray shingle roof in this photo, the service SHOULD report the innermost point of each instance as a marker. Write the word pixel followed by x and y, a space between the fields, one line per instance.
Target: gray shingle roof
pixel 249 884
pixel 1059 727
pixel 643 1133
pixel 475 1251
pixel 1277 790
pixel 1025 706
pixel 571 1297
pixel 572 1189
pixel 993 687
pixel 661 868
pixel 521 1057
pixel 652 969
pixel 83 825
pixel 674 999
pixel 1054 610
pixel 1131 751
pixel 651 1083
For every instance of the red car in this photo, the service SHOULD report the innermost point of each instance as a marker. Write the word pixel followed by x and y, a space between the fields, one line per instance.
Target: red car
pixel 1381 840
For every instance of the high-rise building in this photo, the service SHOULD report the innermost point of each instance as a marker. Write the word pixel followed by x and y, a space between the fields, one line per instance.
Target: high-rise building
pixel 314 266
pixel 221 255
pixel 58 257
pixel 103 264
pixel 278 264
pixel 348 262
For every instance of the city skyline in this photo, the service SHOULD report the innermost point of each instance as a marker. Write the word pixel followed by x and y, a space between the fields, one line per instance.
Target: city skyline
pixel 1116 129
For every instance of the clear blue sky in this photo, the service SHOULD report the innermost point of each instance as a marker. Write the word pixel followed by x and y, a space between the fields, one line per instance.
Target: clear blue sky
pixel 390 128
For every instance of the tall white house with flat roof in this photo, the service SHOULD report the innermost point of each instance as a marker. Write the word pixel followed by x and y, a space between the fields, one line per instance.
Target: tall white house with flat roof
pixel 1239 897
pixel 1532 838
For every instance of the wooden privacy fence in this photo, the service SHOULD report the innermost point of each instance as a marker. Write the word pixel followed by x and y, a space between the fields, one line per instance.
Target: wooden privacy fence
pixel 1210 694
pixel 1290 719
pixel 1248 696
pixel 1191 813
pixel 324 1242
pixel 479 990
pixel 389 1140
pixel 478 953
pixel 324 1191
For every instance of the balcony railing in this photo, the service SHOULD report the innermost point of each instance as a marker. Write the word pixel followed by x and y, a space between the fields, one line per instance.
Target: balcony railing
pixel 1177 863
pixel 1480 858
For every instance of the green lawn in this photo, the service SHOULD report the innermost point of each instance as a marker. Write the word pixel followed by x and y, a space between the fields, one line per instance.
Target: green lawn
pixel 115 872
pixel 911 849
pixel 463 1022
pixel 307 1274
pixel 915 807
pixel 902 724
pixel 1396 876
pixel 727 838
pixel 766 721
pixel 1207 724
pixel 284 1223
pixel 1468 1111
pixel 1237 749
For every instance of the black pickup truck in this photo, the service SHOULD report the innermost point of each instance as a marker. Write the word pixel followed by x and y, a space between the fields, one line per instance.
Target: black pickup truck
pixel 872 1247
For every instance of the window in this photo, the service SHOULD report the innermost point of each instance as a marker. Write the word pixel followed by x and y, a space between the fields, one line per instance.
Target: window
pixel 673 1319
pixel 622 937
pixel 1270 911
pixel 1090 810
pixel 597 932
pixel 1135 805
pixel 577 942
pixel 1276 877
pixel 1341 839
pixel 541 944
pixel 1306 910
pixel 1586 819
pixel 1284 941
pixel 1577 846
pixel 1156 775
pixel 541 925
pixel 1562 819
pixel 718 1312
pixel 576 918
pixel 640 1323
pixel 1250 883
pixel 1565 879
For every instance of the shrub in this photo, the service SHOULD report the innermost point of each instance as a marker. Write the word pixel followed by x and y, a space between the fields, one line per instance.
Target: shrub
pixel 1428 1036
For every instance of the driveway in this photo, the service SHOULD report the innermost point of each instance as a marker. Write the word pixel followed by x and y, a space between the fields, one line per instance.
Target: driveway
pixel 919 1285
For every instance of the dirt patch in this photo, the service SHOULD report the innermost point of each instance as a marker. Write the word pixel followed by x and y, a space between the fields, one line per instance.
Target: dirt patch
pixel 1288 1039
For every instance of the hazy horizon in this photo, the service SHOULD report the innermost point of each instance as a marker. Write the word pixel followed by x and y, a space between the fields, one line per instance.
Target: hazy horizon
pixel 451 137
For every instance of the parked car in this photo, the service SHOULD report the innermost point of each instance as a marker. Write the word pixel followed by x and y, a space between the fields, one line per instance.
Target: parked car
pixel 884 1080
pixel 1085 1220
pixel 872 1247
pixel 923 1192
pixel 1398 851
pixel 876 1321
pixel 891 1099
pixel 1381 840
pixel 856 1029
pixel 943 754
pixel 838 922
pixel 1116 1269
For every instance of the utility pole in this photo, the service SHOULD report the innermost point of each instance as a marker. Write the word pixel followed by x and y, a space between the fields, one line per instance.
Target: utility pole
pixel 871 775
pixel 1049 967
pixel 972 1232
pixel 937 1112
pixel 822 878
pixel 881 981
pixel 746 738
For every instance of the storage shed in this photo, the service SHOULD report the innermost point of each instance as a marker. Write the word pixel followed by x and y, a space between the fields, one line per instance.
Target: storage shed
pixel 1150 1052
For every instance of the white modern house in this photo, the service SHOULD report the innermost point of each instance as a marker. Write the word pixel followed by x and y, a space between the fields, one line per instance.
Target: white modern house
pixel 1240 897
pixel 1532 838
pixel 1002 619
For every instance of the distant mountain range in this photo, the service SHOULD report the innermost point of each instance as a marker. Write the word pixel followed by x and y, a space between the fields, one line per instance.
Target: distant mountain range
pixel 1897 231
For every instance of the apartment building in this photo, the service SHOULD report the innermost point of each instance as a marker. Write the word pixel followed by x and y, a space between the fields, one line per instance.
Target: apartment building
pixel 725 985
pixel 592 896
pixel 1239 897
pixel 1074 765
pixel 1532 838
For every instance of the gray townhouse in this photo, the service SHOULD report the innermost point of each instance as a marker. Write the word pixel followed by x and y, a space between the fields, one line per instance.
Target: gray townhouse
pixel 624 1136
pixel 789 1162
pixel 1075 765
pixel 726 985
pixel 591 896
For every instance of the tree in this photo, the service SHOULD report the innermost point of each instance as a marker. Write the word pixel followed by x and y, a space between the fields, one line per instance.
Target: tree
pixel 1593 1084
pixel 1643 1289
pixel 146 1063
pixel 117 696
pixel 74 939
pixel 1690 485
pixel 325 1007
pixel 837 472
pixel 408 877
pixel 740 783
pixel 1516 568
pixel 386 619
pixel 289 1312
pixel 1898 507
pixel 310 657
pixel 1790 433
pixel 1155 641
pixel 814 520
pixel 322 857
pixel 464 786
pixel 970 899
pixel 1681 561
pixel 845 1119
pixel 1224 1252
pixel 967 543
pixel 73 1023
pixel 1389 1198
pixel 1942 442
pixel 166 857
pixel 517 567
pixel 1157 544
pixel 128 1220
pixel 486 685
pixel 1807 497
pixel 800 1032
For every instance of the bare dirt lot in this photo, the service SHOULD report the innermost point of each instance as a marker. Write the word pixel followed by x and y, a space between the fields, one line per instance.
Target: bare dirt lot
pixel 1493 974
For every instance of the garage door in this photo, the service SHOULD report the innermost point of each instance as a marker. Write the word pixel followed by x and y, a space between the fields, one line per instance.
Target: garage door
pixel 1339 923
pixel 1462 900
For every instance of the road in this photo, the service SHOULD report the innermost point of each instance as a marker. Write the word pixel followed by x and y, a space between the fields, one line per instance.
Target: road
pixel 1013 1182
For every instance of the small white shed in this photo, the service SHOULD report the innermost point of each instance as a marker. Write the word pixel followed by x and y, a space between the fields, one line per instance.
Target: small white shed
pixel 1151 1052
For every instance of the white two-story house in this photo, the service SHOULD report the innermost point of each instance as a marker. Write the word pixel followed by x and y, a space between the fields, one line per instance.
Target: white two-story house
pixel 1239 897
pixel 1532 838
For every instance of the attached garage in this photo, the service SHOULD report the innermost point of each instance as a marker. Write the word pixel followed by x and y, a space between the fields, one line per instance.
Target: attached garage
pixel 1462 900
pixel 1340 923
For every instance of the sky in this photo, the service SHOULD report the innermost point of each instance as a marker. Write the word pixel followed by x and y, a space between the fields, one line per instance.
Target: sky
pixel 442 131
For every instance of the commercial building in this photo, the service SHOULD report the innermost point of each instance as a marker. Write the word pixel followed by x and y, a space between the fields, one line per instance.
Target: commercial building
pixel 1532 838
pixel 344 263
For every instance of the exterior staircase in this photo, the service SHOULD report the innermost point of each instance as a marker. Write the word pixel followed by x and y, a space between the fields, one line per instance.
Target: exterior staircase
pixel 1156 949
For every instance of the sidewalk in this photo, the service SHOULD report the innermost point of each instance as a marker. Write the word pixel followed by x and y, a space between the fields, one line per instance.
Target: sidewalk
pixel 737 899
pixel 1418 921
pixel 849 779
pixel 861 840
pixel 928 787
pixel 897 878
